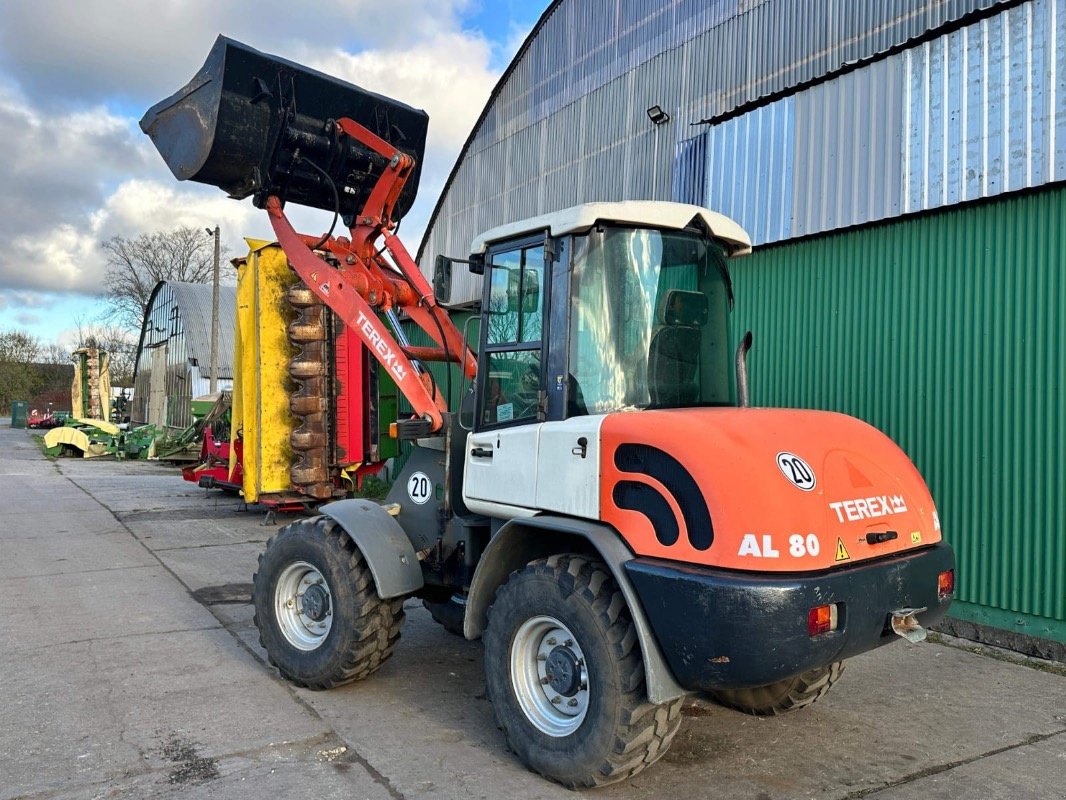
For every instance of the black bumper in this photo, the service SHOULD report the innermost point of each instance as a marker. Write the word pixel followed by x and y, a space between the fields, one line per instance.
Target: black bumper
pixel 722 629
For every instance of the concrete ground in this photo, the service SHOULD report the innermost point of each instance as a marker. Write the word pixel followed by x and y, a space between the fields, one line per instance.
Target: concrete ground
pixel 129 668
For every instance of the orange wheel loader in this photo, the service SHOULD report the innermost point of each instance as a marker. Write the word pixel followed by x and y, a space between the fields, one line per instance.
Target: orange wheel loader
pixel 601 507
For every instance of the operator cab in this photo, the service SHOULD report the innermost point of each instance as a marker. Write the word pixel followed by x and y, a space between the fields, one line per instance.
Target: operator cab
pixel 605 307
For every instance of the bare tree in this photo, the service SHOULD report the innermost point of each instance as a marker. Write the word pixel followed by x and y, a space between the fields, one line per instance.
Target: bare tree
pixel 137 265
pixel 117 342
pixel 54 353
pixel 19 347
pixel 19 376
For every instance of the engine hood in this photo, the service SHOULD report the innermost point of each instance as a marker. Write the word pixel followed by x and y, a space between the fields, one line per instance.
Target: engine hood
pixel 770 490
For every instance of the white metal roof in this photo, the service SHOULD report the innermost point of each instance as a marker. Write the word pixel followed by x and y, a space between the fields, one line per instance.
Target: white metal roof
pixel 655 214
pixel 193 301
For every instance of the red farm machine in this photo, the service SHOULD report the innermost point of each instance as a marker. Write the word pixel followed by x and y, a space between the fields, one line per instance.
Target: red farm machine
pixel 603 508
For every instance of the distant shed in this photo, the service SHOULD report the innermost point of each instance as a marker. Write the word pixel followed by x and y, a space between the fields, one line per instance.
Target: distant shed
pixel 174 352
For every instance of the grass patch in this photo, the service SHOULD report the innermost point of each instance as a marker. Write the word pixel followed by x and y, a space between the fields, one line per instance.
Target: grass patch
pixel 373 488
pixel 39 438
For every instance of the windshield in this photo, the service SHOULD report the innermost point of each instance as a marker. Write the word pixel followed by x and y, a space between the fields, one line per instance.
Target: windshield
pixel 648 321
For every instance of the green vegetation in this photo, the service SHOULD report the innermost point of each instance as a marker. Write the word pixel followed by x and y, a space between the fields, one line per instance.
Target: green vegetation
pixel 373 488
pixel 39 438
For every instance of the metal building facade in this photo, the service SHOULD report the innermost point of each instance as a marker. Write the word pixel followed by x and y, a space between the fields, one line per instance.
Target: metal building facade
pixel 947 332
pixel 899 166
pixel 973 113
pixel 174 351
pixel 568 121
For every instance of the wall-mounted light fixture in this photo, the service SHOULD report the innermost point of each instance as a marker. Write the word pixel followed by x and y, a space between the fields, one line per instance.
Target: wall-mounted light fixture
pixel 657 115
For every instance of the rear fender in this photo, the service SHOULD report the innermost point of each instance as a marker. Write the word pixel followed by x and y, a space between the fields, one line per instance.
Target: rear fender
pixel 382 542
pixel 523 540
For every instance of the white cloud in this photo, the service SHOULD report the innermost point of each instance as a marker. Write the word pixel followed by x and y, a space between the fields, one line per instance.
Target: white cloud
pixel 69 338
pixel 25 300
pixel 448 75
pixel 71 259
pixel 145 50
pixel 77 169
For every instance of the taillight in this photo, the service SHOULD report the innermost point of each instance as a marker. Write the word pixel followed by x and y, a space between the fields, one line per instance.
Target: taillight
pixel 945 583
pixel 822 619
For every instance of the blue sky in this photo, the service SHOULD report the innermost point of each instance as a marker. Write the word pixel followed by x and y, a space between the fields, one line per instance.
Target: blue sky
pixel 504 20
pixel 77 169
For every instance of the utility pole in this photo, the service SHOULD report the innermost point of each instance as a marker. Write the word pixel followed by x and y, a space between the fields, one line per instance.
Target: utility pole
pixel 214 314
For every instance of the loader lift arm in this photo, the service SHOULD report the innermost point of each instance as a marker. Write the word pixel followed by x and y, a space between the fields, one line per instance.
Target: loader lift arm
pixel 364 283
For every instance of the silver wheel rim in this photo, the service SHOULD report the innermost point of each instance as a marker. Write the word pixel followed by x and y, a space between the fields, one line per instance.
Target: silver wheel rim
pixel 303 606
pixel 549 676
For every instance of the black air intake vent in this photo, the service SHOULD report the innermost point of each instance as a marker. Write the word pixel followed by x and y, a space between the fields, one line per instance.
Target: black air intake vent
pixel 667 470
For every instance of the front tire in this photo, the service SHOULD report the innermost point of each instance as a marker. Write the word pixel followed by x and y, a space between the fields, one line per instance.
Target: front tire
pixel 784 696
pixel 565 675
pixel 317 610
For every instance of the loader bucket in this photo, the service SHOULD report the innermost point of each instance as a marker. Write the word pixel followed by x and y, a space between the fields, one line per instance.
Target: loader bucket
pixel 249 123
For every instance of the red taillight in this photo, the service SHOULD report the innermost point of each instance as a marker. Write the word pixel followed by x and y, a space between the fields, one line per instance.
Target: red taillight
pixel 822 619
pixel 945 583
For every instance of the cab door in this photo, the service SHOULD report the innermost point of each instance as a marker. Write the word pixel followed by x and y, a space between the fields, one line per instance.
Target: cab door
pixel 501 460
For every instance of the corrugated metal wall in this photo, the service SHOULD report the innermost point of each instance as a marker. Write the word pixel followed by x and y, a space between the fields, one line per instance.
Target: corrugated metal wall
pixel 985 108
pixel 568 123
pixel 179 319
pixel 441 373
pixel 947 331
pixel 971 114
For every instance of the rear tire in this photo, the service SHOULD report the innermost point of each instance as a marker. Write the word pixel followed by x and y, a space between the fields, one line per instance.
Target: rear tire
pixel 449 614
pixel 785 696
pixel 565 675
pixel 317 609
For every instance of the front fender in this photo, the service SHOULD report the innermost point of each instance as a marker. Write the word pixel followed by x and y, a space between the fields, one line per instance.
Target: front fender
pixel 523 540
pixel 382 542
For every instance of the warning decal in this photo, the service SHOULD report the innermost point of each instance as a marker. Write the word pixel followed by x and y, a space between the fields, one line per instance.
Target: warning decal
pixel 916 537
pixel 842 551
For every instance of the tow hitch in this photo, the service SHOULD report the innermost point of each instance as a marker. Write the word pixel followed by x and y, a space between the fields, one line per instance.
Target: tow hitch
pixel 905 623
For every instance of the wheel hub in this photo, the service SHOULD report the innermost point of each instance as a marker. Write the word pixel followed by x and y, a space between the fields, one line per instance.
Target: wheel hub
pixel 563 671
pixel 315 602
pixel 549 676
pixel 303 606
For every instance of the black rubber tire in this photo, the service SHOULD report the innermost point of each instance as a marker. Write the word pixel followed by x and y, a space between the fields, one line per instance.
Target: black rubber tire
pixel 623 732
pixel 449 614
pixel 365 628
pixel 782 697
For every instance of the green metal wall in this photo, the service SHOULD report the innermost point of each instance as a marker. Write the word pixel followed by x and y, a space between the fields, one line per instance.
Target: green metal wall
pixel 948 332
pixel 440 372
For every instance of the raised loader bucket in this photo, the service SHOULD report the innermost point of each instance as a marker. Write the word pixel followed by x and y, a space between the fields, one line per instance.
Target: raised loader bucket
pixel 251 124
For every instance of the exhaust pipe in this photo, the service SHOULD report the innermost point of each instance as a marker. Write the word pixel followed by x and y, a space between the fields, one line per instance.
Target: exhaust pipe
pixel 257 125
pixel 742 370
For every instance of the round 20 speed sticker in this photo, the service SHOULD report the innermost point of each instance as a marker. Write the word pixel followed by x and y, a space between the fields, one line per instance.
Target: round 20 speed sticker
pixel 419 488
pixel 798 471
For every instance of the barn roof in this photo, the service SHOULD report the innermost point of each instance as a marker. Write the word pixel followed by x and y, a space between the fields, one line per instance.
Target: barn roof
pixel 193 301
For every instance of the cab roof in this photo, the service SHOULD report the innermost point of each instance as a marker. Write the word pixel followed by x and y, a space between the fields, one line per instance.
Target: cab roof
pixel 648 213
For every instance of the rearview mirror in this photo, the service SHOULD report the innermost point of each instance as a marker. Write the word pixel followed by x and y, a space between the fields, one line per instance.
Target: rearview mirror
pixel 442 280
pixel 442 275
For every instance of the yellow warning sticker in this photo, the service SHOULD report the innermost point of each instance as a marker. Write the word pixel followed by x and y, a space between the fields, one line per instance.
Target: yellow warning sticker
pixel 842 551
pixel 916 537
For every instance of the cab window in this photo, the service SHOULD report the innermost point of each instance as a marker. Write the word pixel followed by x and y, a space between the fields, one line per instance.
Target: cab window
pixel 514 330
